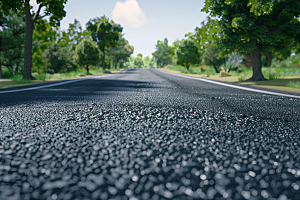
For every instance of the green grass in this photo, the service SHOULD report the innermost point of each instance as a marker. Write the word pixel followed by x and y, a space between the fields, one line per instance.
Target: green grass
pixel 293 84
pixel 242 78
pixel 271 73
pixel 207 70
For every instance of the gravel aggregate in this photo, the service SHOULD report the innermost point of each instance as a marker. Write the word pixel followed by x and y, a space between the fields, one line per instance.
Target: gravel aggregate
pixel 143 134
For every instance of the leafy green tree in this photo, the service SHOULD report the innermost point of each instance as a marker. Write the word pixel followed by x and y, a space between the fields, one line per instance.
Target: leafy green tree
pixel 57 58
pixel 122 51
pixel 138 61
pixel 12 35
pixel 6 6
pixel 105 33
pixel 12 60
pixel 163 53
pixel 88 53
pixel 174 48
pixel 43 35
pixel 52 8
pixel 204 35
pixel 245 31
pixel 213 58
pixel 72 36
pixel 150 62
pixel 187 54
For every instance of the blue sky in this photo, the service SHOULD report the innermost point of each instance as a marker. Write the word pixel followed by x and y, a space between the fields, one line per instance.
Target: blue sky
pixel 144 21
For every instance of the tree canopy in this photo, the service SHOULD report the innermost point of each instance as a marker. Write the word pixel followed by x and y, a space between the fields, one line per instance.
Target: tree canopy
pixel 188 54
pixel 105 33
pixel 8 5
pixel 122 51
pixel 88 53
pixel 52 8
pixel 244 31
pixel 162 53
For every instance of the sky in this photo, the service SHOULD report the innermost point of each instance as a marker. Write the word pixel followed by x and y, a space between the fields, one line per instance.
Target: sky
pixel 144 21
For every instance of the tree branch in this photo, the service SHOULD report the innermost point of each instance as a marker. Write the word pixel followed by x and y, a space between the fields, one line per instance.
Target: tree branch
pixel 37 14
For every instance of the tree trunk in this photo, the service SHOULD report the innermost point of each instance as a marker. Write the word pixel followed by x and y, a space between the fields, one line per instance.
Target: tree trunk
pixel 0 48
pixel 216 69
pixel 88 70
pixel 103 60
pixel 28 43
pixel 16 69
pixel 188 67
pixel 269 58
pixel 0 69
pixel 256 64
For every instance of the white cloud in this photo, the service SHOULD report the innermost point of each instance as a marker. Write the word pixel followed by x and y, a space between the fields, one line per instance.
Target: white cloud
pixel 129 13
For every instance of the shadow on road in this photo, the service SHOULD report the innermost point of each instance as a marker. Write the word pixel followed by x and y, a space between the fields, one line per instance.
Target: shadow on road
pixel 74 91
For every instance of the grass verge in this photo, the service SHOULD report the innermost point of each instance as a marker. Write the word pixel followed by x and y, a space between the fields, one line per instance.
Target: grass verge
pixel 16 81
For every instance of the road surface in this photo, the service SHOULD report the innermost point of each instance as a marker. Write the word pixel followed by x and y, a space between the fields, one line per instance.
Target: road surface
pixel 146 134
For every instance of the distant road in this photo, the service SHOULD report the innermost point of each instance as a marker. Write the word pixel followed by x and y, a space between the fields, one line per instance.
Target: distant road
pixel 146 134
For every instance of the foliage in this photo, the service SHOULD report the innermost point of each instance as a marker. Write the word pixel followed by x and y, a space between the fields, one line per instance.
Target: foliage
pixel 54 9
pixel 174 49
pixel 72 36
pixel 105 33
pixel 121 52
pixel 138 61
pixel 204 35
pixel 57 59
pixel 12 31
pixel 150 62
pixel 130 62
pixel 6 6
pixel 294 84
pixel 12 36
pixel 162 53
pixel 188 54
pixel 242 30
pixel 88 53
pixel 43 35
pixel 212 57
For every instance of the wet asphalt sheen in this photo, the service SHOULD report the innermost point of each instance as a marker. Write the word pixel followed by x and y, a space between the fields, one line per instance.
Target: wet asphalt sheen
pixel 145 134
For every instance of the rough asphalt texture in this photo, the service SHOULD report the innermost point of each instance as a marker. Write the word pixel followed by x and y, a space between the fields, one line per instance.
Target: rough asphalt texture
pixel 144 134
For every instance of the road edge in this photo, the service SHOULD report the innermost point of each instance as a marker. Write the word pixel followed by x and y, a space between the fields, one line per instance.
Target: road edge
pixel 231 85
pixel 62 82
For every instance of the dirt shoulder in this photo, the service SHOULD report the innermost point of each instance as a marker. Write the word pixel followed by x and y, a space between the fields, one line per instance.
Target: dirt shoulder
pixel 278 84
pixel 8 83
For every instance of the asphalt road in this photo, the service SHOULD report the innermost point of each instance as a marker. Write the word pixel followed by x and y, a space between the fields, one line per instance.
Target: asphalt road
pixel 145 134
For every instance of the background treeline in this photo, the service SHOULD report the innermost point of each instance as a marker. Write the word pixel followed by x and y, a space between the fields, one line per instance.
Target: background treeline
pixel 239 35
pixel 102 45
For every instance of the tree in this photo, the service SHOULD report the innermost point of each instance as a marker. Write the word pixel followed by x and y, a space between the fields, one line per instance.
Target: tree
pixel 150 62
pixel 57 58
pixel 163 53
pixel 11 60
pixel 105 33
pixel 122 51
pixel 204 35
pixel 54 9
pixel 88 53
pixel 187 54
pixel 174 48
pixel 6 6
pixel 245 31
pixel 72 36
pixel 12 35
pixel 43 35
pixel 138 61
pixel 213 58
